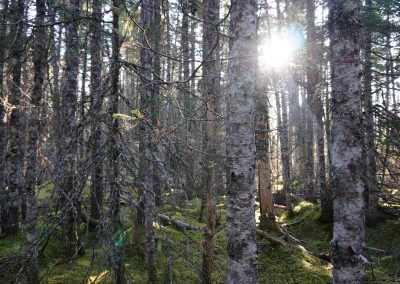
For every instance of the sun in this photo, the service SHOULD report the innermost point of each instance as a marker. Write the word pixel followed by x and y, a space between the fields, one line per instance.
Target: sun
pixel 279 50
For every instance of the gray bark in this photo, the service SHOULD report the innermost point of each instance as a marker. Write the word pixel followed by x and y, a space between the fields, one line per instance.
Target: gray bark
pixel 96 194
pixel 117 257
pixel 146 139
pixel 3 144
pixel 39 63
pixel 371 185
pixel 241 188
pixel 69 194
pixel 346 143
pixel 16 178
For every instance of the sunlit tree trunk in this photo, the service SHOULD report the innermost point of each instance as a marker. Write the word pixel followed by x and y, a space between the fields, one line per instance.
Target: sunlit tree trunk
pixel 96 194
pixel 284 146
pixel 241 188
pixel 210 93
pixel 346 143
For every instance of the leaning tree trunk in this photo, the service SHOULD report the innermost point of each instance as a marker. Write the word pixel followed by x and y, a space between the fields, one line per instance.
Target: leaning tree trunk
pixel 39 66
pixel 210 93
pixel 146 139
pixel 241 188
pixel 96 194
pixel 16 178
pixel 346 143
pixel 70 195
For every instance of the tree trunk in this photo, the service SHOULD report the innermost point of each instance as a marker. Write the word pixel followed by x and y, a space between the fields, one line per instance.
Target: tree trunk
pixel 96 90
pixel 284 147
pixel 210 93
pixel 16 178
pixel 39 63
pixel 371 185
pixel 187 105
pixel 146 138
pixel 70 195
pixel 316 107
pixel 346 144
pixel 3 140
pixel 241 188
pixel 117 258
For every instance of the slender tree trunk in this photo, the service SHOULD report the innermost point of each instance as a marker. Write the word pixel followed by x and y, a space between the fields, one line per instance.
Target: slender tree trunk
pixel 346 143
pixel 210 93
pixel 316 107
pixel 155 112
pixel 3 140
pixel 146 139
pixel 117 257
pixel 241 188
pixel 284 147
pixel 39 62
pixel 187 104
pixel 96 90
pixel 371 185
pixel 263 161
pixel 70 195
pixel 16 178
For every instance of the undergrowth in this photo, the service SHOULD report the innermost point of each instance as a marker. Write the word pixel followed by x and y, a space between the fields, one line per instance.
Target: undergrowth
pixel 179 254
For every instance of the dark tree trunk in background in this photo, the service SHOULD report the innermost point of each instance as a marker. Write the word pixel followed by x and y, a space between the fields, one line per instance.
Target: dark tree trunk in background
pixel 40 66
pixel 316 108
pixel 371 184
pixel 16 177
pixel 117 229
pixel 3 140
pixel 346 143
pixel 70 194
pixel 187 105
pixel 241 188
pixel 146 138
pixel 96 90
pixel 210 93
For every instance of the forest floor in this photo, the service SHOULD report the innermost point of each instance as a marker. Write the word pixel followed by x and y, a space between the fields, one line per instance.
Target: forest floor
pixel 179 252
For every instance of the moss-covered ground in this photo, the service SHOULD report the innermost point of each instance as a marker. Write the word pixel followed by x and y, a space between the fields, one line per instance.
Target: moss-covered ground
pixel 179 253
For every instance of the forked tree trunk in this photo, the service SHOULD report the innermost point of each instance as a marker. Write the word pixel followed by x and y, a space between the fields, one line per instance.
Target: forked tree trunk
pixel 241 188
pixel 346 143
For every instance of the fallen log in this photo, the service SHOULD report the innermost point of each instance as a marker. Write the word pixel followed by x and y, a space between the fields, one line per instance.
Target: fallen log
pixel 179 224
pixel 270 238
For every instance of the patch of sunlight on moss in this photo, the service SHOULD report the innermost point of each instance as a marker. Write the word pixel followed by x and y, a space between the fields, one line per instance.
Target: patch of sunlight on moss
pixel 45 190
